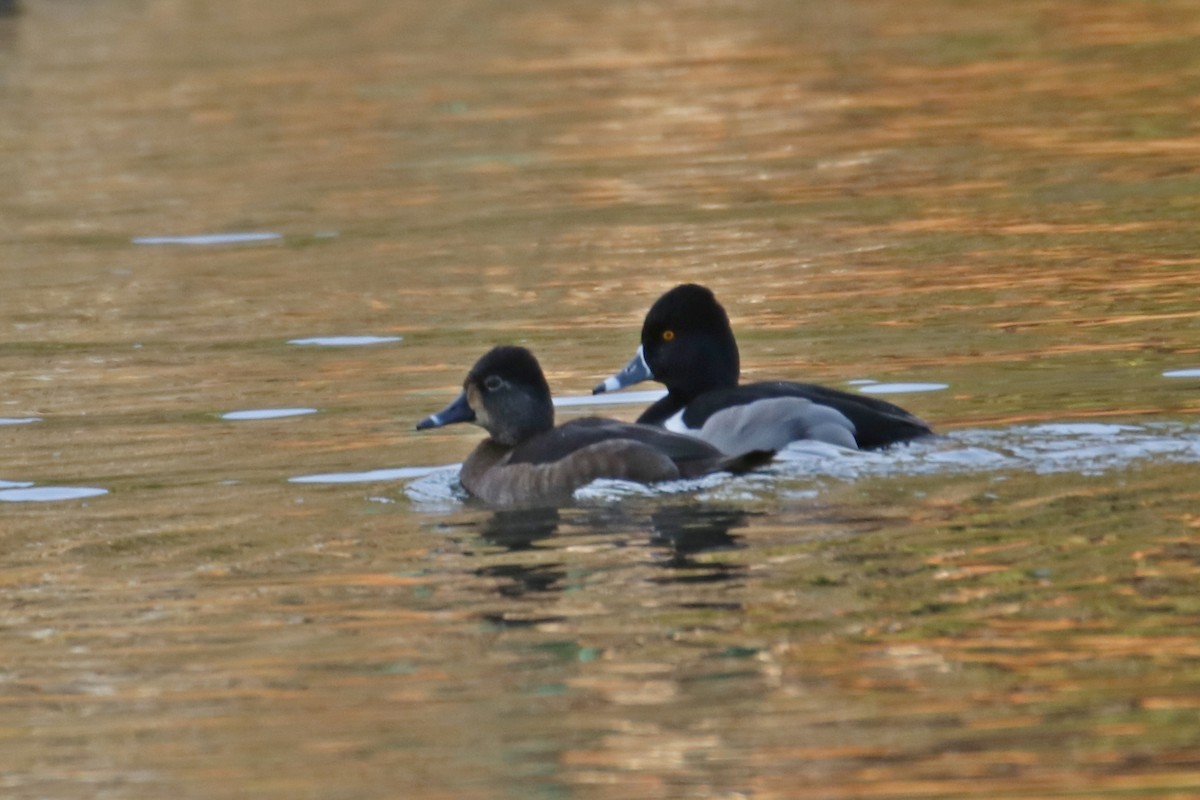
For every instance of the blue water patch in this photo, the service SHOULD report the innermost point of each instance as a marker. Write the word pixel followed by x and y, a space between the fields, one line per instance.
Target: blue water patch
pixel 345 341
pixel 370 476
pixel 15 484
pixel 247 237
pixel 1182 373
pixel 268 413
pixel 47 494
pixel 902 388
pixel 18 420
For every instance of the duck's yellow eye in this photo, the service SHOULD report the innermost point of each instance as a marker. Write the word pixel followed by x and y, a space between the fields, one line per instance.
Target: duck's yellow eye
pixel 668 335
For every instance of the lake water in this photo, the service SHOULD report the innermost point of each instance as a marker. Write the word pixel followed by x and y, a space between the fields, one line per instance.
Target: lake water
pixel 244 247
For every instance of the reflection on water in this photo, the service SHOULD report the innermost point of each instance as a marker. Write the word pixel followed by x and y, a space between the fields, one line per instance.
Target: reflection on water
pixel 683 529
pixel 680 539
pixel 686 531
pixel 520 529
pixel 514 532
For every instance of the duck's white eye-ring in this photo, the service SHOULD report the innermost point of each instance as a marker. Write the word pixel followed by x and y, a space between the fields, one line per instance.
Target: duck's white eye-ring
pixel 493 382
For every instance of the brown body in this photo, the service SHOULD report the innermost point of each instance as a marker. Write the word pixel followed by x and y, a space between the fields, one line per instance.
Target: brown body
pixel 488 474
pixel 527 461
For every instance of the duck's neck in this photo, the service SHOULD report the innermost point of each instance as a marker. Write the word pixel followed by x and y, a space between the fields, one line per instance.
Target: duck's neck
pixel 662 410
pixel 486 455
pixel 516 422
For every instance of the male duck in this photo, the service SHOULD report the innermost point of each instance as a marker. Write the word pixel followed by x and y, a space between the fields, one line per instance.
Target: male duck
pixel 688 345
pixel 528 461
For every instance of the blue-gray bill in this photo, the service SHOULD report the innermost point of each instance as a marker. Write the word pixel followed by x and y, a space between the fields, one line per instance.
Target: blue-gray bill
pixel 635 371
pixel 458 411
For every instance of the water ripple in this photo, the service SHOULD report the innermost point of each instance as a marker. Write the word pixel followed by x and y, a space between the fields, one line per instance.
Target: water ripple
pixel 1086 448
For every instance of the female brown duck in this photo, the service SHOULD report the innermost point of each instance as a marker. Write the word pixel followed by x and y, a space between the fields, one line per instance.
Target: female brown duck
pixel 528 461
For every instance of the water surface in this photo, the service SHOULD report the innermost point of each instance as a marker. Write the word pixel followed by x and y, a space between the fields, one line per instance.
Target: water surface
pixel 1000 201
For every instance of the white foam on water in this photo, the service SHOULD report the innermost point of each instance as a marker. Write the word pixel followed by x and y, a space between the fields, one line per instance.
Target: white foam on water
pixel 438 491
pixel 1086 448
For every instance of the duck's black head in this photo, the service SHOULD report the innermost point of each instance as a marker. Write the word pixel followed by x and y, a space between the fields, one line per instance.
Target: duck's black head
pixel 506 394
pixel 688 344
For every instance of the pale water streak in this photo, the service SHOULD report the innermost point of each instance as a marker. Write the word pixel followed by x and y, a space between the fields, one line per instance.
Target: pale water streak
pixel 49 494
pixel 902 388
pixel 345 341
pixel 267 413
pixel 610 399
pixel 370 476
pixel 207 239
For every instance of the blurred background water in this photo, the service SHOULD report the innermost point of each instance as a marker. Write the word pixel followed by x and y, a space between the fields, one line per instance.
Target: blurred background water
pixel 245 246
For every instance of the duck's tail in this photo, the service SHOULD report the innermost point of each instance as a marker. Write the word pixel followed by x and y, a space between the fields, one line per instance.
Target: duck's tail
pixel 745 462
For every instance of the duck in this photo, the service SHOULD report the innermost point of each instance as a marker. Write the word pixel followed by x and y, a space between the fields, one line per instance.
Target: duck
pixel 527 461
pixel 688 344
